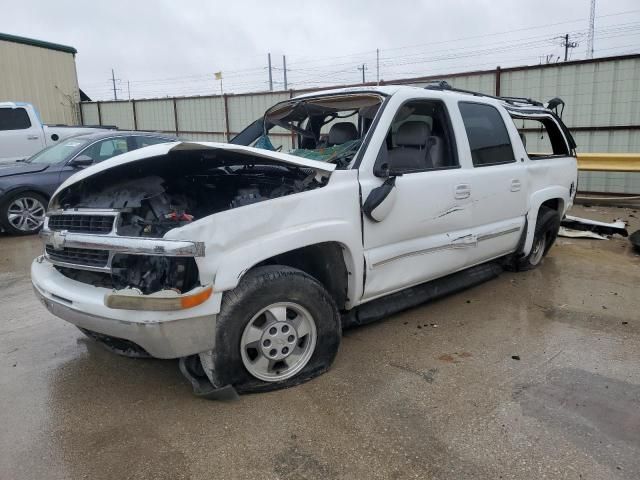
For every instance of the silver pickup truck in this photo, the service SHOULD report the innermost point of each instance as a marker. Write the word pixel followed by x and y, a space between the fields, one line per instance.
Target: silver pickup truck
pixel 247 262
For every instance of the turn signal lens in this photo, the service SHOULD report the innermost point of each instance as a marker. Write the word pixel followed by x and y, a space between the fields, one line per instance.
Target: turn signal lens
pixel 163 301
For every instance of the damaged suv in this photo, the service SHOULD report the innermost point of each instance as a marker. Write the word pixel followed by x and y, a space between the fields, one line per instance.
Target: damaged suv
pixel 246 262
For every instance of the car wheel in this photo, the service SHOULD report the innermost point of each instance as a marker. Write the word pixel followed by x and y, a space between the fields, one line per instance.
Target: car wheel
pixel 23 213
pixel 278 328
pixel 547 226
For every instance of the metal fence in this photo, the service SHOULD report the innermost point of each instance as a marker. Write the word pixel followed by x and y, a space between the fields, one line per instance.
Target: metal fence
pixel 602 109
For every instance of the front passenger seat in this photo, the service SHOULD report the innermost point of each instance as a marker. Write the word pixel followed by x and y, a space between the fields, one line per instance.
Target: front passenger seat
pixel 410 152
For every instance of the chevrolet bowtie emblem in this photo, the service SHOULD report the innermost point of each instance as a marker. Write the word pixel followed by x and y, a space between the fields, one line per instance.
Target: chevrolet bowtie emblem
pixel 57 240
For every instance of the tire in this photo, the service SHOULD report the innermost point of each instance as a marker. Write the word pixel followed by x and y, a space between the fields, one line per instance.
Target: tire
pixel 23 213
pixel 247 314
pixel 546 232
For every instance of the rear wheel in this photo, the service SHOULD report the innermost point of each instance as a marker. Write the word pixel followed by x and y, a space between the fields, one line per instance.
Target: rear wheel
pixel 278 328
pixel 547 226
pixel 23 213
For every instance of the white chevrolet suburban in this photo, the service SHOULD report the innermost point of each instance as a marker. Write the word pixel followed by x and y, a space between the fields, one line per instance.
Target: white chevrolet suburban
pixel 246 262
pixel 22 133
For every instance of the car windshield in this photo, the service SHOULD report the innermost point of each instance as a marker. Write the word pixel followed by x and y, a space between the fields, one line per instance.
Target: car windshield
pixel 59 152
pixel 327 128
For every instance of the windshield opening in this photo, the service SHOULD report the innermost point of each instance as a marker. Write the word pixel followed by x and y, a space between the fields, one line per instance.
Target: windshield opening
pixel 59 152
pixel 325 128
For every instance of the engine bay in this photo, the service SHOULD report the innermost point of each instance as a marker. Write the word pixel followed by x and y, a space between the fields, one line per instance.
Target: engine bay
pixel 156 195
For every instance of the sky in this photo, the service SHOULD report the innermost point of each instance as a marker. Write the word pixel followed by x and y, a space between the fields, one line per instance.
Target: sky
pixel 173 48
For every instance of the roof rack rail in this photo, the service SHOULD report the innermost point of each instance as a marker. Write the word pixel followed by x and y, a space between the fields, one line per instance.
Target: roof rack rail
pixel 444 85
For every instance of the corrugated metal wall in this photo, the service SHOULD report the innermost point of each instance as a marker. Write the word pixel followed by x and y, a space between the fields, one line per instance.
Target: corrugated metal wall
pixel 602 98
pixel 46 78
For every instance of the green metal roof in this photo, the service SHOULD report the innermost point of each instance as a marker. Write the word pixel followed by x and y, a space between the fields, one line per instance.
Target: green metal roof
pixel 37 43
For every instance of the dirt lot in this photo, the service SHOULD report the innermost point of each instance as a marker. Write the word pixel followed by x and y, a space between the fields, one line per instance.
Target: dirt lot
pixel 532 375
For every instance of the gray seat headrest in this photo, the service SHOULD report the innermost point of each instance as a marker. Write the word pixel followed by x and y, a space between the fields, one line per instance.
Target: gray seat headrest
pixel 342 132
pixel 413 134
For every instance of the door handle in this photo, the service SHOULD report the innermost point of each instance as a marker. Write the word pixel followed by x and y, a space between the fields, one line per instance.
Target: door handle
pixel 462 191
pixel 33 137
pixel 515 185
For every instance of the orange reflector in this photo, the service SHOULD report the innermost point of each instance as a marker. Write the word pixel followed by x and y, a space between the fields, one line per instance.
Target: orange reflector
pixel 189 301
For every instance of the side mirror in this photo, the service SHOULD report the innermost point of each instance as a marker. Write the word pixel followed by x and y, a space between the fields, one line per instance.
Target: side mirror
pixel 380 200
pixel 81 161
pixel 385 171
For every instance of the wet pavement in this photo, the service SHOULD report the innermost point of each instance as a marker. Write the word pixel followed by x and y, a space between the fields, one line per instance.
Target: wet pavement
pixel 531 375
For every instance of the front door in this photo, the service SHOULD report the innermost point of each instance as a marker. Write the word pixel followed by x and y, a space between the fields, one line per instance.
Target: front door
pixel 423 232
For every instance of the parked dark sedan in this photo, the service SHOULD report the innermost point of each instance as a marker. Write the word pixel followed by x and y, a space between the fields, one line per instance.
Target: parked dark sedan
pixel 25 187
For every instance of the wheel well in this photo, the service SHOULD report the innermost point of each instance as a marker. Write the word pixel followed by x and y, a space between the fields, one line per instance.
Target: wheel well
pixel 556 204
pixel 24 189
pixel 324 262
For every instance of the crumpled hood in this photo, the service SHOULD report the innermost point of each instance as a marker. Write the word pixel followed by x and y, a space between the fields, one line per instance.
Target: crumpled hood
pixel 21 168
pixel 167 148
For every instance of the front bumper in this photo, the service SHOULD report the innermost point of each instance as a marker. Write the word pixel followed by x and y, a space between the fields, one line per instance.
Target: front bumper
pixel 171 334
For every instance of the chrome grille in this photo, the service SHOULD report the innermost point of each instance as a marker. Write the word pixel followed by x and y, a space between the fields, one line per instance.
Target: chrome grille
pixel 82 223
pixel 79 256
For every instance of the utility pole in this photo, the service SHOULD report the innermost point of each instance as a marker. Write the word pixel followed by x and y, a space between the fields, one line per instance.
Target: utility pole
pixel 567 45
pixel 284 70
pixel 270 76
pixel 363 68
pixel 113 80
pixel 377 66
pixel 592 24
pixel 129 89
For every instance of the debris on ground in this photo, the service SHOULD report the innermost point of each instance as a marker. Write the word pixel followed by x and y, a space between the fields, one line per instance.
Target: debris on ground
pixel 576 227
pixel 515 357
pixel 571 233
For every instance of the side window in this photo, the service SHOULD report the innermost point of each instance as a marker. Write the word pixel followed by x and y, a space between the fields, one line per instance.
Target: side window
pixel 487 134
pixel 419 139
pixel 106 149
pixel 542 138
pixel 142 142
pixel 14 119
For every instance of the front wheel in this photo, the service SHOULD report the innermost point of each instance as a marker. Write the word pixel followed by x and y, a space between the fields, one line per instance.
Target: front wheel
pixel 278 328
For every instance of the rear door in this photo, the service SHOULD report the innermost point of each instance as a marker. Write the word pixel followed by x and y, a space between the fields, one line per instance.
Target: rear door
pixel 20 137
pixel 498 185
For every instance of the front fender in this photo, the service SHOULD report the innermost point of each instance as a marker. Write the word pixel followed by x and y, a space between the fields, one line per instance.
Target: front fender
pixel 235 263
pixel 238 239
pixel 536 200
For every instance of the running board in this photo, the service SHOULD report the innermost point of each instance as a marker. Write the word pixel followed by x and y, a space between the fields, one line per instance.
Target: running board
pixel 425 292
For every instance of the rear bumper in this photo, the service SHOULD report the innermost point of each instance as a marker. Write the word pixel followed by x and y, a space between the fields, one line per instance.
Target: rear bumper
pixel 171 334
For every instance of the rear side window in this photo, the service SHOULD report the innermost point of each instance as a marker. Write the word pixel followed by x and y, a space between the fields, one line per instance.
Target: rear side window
pixel 14 119
pixel 541 137
pixel 487 134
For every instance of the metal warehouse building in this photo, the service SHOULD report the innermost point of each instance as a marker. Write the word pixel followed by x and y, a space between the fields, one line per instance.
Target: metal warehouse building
pixel 40 73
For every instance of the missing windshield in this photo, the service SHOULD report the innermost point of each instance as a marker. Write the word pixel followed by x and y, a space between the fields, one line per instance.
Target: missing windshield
pixel 327 128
